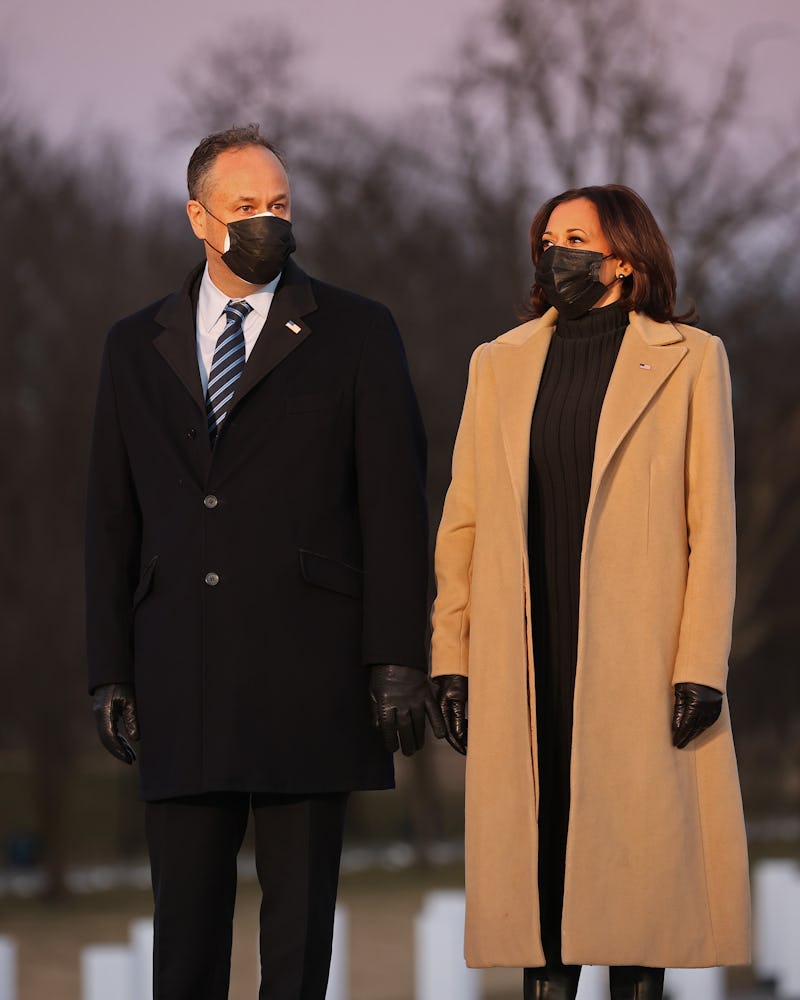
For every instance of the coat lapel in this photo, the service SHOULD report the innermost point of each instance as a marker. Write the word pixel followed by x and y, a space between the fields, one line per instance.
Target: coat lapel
pixel 517 362
pixel 177 343
pixel 648 355
pixel 283 331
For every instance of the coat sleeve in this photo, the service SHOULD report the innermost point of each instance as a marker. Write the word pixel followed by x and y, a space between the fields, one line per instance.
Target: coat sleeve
pixel 705 633
pixel 113 542
pixel 391 457
pixel 454 545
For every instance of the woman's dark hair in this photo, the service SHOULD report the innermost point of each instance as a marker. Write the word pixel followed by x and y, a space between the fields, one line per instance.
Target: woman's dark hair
pixel 633 236
pixel 202 159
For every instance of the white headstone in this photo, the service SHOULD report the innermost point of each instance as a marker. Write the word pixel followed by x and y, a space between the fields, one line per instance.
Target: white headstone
pixel 772 880
pixel 141 937
pixel 695 984
pixel 788 978
pixel 440 971
pixel 339 978
pixel 8 968
pixel 593 984
pixel 106 971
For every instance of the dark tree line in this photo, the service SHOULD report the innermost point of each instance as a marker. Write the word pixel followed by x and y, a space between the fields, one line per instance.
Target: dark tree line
pixel 428 213
pixel 75 260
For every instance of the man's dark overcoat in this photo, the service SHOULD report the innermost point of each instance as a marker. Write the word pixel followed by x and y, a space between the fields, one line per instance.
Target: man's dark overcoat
pixel 245 589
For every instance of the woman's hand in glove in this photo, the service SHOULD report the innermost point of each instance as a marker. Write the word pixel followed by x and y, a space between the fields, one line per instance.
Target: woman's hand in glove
pixel 696 708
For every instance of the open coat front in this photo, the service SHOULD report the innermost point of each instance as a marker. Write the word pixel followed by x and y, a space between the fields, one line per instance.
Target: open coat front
pixel 656 870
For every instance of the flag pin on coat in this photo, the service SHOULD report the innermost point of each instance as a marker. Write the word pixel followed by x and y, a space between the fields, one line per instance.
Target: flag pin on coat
pixel 646 367
pixel 293 326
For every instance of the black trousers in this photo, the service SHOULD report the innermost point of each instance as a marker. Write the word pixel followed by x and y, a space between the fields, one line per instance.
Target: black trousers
pixel 193 844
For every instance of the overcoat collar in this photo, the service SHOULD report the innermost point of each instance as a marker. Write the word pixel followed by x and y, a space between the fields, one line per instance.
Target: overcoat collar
pixel 177 342
pixel 283 331
pixel 648 355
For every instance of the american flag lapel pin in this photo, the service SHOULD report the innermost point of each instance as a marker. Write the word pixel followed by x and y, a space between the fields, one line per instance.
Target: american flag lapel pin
pixel 647 368
pixel 294 327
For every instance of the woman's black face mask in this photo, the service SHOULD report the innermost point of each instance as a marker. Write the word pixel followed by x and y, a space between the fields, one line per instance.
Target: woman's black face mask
pixel 570 279
pixel 258 247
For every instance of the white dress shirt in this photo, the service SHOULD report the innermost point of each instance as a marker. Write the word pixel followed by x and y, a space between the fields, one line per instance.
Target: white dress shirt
pixel 211 319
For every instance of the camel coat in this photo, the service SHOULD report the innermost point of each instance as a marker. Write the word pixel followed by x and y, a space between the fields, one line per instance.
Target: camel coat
pixel 656 870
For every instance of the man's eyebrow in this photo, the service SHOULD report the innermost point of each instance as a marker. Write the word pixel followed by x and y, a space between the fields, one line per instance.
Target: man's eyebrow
pixel 280 196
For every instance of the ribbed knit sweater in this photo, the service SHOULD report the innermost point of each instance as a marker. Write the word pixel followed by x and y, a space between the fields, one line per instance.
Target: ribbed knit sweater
pixel 574 381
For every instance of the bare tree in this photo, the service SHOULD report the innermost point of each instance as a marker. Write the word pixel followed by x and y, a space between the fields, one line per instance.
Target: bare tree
pixel 77 261
pixel 430 213
pixel 546 97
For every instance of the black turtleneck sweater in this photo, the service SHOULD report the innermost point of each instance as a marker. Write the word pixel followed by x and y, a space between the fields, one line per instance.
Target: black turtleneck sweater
pixel 574 381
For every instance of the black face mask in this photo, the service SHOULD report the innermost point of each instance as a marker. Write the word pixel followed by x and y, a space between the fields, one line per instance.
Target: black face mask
pixel 570 279
pixel 257 248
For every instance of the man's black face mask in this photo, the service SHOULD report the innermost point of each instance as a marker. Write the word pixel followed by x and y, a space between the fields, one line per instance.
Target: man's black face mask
pixel 570 279
pixel 256 249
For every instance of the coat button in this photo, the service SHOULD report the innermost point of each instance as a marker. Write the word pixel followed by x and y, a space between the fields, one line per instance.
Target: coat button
pixel 210 501
pixel 191 434
pixel 212 579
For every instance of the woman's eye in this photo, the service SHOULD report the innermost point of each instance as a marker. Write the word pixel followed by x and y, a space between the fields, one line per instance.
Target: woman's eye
pixel 575 239
pixel 546 244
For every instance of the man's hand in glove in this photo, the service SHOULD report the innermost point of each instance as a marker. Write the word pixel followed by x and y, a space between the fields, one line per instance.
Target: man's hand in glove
pixel 696 708
pixel 401 698
pixel 452 691
pixel 114 708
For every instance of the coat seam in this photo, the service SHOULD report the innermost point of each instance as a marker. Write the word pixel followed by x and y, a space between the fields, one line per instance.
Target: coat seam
pixel 705 860
pixel 700 369
pixel 463 660
pixel 685 655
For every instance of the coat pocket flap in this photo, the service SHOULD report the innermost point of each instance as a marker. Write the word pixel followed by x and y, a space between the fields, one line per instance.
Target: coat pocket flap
pixel 145 583
pixel 330 573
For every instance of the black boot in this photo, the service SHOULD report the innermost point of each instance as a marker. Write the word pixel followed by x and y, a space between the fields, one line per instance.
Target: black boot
pixel 636 982
pixel 551 984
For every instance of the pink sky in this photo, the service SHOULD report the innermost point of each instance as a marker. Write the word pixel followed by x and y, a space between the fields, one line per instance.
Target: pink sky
pixel 102 63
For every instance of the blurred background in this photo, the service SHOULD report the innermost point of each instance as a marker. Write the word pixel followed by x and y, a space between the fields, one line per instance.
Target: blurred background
pixel 421 138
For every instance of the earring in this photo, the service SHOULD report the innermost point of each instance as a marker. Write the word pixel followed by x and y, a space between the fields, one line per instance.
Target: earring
pixel 620 277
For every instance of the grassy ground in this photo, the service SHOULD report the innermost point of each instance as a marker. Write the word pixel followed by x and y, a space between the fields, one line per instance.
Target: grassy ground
pixel 381 909
pixel 105 822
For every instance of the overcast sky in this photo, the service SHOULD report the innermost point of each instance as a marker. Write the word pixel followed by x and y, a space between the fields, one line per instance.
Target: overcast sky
pixel 98 64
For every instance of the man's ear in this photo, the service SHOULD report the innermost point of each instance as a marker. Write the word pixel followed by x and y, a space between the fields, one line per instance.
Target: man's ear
pixel 197 218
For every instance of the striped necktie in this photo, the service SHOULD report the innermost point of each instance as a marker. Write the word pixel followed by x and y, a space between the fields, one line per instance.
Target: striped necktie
pixel 227 366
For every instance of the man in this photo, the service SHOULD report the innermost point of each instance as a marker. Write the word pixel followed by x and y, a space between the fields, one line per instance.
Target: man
pixel 256 576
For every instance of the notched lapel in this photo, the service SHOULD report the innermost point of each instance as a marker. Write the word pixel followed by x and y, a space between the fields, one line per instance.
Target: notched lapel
pixel 283 331
pixel 177 343
pixel 518 359
pixel 648 355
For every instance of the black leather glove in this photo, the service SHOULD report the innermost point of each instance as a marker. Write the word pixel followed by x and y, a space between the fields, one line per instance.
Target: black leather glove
pixel 696 708
pixel 401 698
pixel 452 690
pixel 114 708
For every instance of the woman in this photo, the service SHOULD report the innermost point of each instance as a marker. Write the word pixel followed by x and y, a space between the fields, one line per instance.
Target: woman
pixel 585 567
